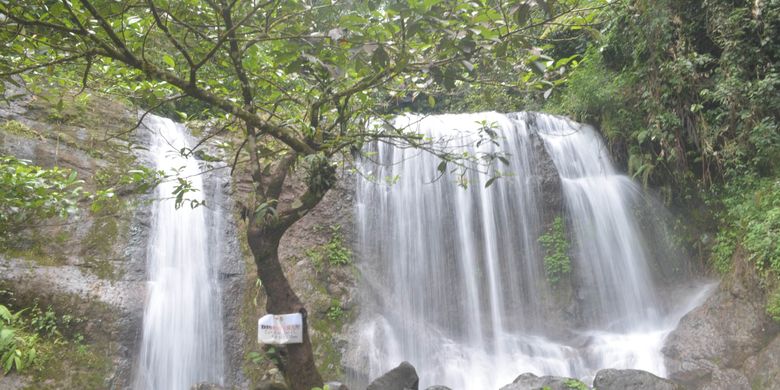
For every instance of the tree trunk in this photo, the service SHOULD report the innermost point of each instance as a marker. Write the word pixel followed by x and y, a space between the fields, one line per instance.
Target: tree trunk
pixel 296 360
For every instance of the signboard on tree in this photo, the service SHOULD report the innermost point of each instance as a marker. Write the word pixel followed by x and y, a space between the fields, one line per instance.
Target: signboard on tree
pixel 279 329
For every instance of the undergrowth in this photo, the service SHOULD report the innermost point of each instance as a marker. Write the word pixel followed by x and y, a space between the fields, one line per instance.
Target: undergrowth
pixel 557 263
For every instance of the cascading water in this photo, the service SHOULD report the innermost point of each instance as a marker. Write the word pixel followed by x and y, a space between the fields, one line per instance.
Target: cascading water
pixel 182 329
pixel 455 281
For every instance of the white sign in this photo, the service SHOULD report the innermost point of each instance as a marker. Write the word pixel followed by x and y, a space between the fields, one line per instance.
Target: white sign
pixel 278 329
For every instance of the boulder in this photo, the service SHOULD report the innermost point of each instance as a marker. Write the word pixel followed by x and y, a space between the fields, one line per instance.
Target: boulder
pixel 530 381
pixel 612 379
pixel 403 377
pixel 711 344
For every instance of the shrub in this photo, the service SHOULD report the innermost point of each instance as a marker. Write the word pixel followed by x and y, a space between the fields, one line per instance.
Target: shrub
pixel 557 263
pixel 30 193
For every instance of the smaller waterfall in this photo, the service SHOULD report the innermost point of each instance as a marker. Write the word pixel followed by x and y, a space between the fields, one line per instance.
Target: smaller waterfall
pixel 609 243
pixel 182 328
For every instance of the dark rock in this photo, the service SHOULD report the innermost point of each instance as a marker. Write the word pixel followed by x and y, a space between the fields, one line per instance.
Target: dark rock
pixel 403 377
pixel 530 381
pixel 763 370
pixel 712 342
pixel 612 379
pixel 270 386
pixel 437 387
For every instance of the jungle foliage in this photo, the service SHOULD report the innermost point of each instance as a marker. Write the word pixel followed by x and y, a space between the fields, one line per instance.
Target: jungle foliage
pixel 687 94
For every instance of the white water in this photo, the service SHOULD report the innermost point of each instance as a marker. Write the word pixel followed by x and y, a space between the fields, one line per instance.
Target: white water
pixel 182 330
pixel 455 276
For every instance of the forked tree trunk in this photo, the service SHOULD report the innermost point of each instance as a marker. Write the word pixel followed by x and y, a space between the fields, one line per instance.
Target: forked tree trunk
pixel 296 360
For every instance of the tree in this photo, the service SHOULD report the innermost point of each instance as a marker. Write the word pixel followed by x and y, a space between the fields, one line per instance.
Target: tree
pixel 299 80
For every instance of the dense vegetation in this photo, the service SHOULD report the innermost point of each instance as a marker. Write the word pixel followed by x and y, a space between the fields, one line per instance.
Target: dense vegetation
pixel 687 93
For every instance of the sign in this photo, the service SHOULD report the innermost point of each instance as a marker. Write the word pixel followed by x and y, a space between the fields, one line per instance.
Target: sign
pixel 278 329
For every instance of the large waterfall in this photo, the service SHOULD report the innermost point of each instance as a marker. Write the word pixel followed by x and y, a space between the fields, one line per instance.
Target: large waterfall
pixel 454 278
pixel 182 328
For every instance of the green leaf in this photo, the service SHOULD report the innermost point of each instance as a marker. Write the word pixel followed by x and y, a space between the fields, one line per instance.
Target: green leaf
pixel 442 167
pixel 5 314
pixel 169 60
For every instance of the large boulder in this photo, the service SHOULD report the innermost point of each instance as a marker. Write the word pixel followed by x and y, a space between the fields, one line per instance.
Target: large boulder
pixel 613 379
pixel 711 344
pixel 403 377
pixel 530 381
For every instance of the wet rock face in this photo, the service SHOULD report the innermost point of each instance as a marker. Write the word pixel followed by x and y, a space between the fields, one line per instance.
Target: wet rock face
pixel 723 343
pixel 612 379
pixel 403 377
pixel 548 180
pixel 90 266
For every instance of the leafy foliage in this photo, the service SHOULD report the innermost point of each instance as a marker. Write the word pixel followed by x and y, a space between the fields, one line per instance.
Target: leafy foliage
pixel 27 336
pixel 17 128
pixel 575 384
pixel 687 103
pixel 333 253
pixel 17 350
pixel 335 312
pixel 557 263
pixel 750 221
pixel 30 193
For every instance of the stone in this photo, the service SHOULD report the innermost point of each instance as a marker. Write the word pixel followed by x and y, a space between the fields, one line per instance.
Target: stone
pixel 403 377
pixel 613 379
pixel 763 370
pixel 268 385
pixel 336 386
pixel 207 386
pixel 711 344
pixel 530 381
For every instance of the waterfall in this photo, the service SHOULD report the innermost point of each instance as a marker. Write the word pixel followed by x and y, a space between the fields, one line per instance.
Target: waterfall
pixel 182 328
pixel 454 278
